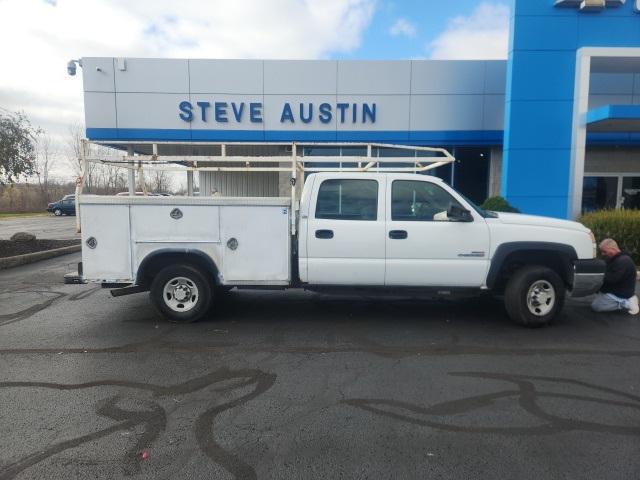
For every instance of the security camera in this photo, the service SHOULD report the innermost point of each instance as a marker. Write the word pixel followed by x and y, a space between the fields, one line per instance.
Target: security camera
pixel 72 65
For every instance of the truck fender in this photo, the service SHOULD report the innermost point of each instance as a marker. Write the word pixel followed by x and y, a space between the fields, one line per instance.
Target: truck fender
pixel 168 255
pixel 502 253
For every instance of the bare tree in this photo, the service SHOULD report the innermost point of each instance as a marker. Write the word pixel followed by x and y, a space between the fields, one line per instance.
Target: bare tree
pixel 45 159
pixel 74 157
pixel 159 181
pixel 74 147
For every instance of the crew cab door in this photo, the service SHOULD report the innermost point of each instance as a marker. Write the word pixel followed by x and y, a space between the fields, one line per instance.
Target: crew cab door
pixel 423 251
pixel 345 234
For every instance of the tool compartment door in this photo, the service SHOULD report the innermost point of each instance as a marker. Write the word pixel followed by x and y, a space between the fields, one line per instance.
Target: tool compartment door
pixel 256 244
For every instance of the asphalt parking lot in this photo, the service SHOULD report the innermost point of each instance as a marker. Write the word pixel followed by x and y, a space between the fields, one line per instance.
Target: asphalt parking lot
pixel 46 227
pixel 300 385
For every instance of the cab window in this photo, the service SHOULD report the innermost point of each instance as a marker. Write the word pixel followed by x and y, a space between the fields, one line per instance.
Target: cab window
pixel 348 200
pixel 413 200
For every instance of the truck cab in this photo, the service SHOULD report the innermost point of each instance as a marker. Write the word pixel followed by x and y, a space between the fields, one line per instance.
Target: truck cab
pixel 390 230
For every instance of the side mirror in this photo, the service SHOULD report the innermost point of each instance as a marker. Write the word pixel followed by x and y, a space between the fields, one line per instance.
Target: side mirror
pixel 459 214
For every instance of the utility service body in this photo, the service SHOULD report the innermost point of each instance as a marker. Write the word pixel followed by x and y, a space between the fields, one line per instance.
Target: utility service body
pixel 225 112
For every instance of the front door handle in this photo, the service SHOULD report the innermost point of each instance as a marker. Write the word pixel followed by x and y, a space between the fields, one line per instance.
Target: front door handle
pixel 326 234
pixel 398 234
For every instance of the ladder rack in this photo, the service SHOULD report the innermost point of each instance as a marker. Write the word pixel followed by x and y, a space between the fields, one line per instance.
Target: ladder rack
pixel 180 157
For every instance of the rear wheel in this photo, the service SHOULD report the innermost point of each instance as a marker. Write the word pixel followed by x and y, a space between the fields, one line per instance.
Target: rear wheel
pixel 534 296
pixel 181 293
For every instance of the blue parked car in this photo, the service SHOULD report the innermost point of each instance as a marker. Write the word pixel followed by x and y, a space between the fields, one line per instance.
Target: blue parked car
pixel 66 206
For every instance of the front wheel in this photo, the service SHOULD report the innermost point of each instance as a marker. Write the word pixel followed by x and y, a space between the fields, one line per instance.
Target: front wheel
pixel 57 212
pixel 534 296
pixel 181 293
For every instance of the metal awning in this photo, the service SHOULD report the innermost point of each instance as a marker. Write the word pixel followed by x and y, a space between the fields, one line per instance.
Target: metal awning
pixel 614 118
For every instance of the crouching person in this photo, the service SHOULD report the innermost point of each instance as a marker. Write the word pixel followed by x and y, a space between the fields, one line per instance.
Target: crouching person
pixel 618 291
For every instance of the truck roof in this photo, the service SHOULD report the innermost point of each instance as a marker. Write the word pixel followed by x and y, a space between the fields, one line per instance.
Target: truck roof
pixel 378 175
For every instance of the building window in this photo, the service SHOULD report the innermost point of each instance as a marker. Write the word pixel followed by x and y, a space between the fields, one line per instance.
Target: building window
pixel 599 193
pixel 348 200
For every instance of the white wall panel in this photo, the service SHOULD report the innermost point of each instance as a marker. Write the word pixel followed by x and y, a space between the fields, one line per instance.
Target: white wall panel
pixel 100 110
pixel 392 112
pixel 153 75
pixel 364 77
pixel 446 112
pixel 495 77
pixel 97 74
pixel 150 110
pixel 226 76
pixel 493 112
pixel 445 77
pixel 293 77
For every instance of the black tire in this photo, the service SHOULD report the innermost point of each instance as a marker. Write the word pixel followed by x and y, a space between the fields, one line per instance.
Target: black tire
pixel 545 302
pixel 57 212
pixel 197 301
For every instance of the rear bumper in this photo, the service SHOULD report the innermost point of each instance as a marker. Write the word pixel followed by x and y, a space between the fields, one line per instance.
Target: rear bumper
pixel 588 276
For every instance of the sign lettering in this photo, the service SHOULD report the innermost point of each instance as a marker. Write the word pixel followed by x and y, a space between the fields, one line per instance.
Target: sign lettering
pixel 302 113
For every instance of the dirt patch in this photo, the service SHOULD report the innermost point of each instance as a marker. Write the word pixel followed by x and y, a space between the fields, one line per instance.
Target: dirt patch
pixel 10 248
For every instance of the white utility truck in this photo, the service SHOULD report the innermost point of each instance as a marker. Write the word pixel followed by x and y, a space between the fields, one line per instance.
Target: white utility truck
pixel 367 226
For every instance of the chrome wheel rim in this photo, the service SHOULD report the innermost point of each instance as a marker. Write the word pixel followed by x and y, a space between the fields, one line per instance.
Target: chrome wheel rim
pixel 180 294
pixel 541 298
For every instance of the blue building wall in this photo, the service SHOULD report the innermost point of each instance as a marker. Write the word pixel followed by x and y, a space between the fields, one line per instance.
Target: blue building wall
pixel 539 108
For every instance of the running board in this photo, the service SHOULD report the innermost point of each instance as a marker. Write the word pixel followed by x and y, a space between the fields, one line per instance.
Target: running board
pixel 119 292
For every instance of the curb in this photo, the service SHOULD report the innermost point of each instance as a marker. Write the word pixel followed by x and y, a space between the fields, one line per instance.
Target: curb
pixel 17 260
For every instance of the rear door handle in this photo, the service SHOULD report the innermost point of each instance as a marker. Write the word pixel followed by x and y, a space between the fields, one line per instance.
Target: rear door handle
pixel 398 234
pixel 326 234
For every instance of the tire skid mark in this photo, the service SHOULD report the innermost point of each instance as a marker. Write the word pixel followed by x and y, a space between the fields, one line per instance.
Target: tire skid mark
pixel 84 294
pixel 6 319
pixel 137 347
pixel 526 395
pixel 152 417
pixel 204 430
pixel 391 352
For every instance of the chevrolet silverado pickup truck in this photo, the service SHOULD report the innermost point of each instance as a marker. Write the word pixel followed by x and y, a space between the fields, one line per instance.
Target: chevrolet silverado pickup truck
pixel 365 231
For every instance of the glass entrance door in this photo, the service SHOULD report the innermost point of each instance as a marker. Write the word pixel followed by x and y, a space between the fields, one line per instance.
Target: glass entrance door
pixel 607 191
pixel 630 193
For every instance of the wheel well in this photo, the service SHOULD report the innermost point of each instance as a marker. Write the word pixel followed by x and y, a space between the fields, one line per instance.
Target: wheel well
pixel 557 261
pixel 155 262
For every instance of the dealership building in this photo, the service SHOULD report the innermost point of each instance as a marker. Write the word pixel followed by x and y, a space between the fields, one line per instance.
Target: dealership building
pixel 555 128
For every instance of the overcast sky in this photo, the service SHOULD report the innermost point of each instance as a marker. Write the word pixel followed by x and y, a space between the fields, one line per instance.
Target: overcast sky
pixel 38 37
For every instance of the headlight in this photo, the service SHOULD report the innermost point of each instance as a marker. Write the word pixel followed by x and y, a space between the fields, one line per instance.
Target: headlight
pixel 593 242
